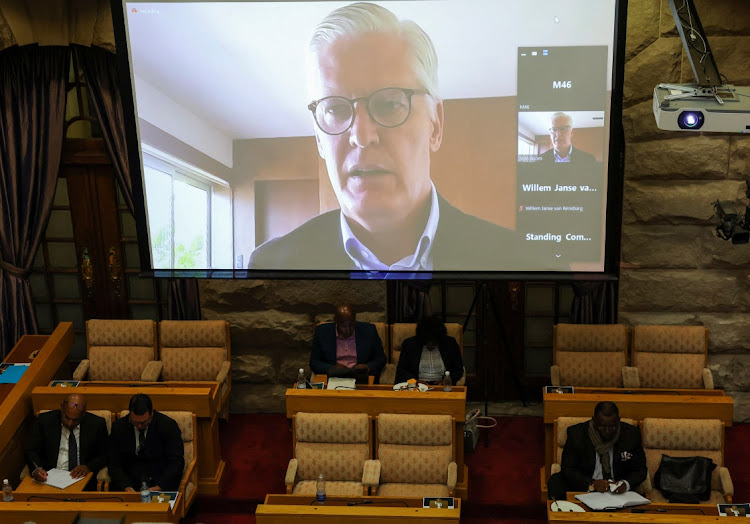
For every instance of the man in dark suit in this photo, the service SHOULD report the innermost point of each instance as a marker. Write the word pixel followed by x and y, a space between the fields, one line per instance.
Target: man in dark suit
pixel 598 454
pixel 69 439
pixel 428 355
pixel 562 151
pixel 146 446
pixel 378 120
pixel 347 347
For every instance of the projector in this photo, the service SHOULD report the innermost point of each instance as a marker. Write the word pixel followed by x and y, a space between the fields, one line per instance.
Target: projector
pixel 692 107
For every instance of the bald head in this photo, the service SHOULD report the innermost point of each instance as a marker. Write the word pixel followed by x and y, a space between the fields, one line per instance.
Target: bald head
pixel 345 319
pixel 72 410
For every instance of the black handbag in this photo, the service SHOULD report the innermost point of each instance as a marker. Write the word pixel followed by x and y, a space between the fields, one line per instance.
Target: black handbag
pixel 685 480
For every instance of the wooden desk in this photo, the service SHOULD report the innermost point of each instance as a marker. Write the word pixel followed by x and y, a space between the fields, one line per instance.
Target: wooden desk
pixel 15 399
pixel 377 399
pixel 67 512
pixel 636 404
pixel 201 398
pixel 675 514
pixel 285 509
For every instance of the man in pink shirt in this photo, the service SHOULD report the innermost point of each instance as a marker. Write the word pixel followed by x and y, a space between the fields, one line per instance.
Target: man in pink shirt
pixel 347 347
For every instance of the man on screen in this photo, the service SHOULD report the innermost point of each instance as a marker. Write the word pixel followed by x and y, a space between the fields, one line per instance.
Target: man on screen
pixel 562 150
pixel 378 118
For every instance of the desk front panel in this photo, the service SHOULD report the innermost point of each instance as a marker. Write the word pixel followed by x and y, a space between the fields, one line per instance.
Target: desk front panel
pixel 64 512
pixel 674 514
pixel 283 509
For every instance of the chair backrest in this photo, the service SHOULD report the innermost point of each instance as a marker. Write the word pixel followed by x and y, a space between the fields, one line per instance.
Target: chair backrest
pixel 193 349
pixel 414 449
pixel 561 431
pixel 402 331
pixel 119 349
pixel 670 356
pixel 106 415
pixel 188 425
pixel 590 354
pixel 334 444
pixel 382 329
pixel 683 438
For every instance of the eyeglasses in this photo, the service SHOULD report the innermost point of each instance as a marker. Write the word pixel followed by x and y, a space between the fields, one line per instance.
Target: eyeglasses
pixel 559 129
pixel 79 407
pixel 388 107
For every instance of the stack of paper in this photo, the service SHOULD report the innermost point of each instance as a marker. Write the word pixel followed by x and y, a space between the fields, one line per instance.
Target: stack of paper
pixel 60 478
pixel 607 500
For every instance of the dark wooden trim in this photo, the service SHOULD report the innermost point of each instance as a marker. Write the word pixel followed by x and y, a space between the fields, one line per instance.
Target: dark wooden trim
pixel 77 151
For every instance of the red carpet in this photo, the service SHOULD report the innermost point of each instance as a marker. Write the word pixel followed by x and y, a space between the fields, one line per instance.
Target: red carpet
pixel 503 477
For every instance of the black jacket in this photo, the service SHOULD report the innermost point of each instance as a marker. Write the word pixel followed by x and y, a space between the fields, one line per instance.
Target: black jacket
pixel 161 462
pixel 411 353
pixel 579 458
pixel 461 242
pixel 366 338
pixel 43 445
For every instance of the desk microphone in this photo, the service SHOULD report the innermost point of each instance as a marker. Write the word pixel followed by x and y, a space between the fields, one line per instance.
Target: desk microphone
pixel 358 502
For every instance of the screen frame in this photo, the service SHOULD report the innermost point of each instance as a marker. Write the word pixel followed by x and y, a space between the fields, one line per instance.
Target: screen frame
pixel 614 198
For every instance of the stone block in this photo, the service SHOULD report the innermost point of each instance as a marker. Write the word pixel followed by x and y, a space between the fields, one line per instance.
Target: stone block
pixel 290 363
pixel 643 25
pixel 727 333
pixel 739 157
pixel 639 124
pixel 678 202
pixel 257 398
pixel 730 54
pixel 226 295
pixel 741 405
pixel 681 290
pixel 659 62
pixel 718 17
pixel 253 369
pixel 681 157
pixel 264 329
pixel 677 247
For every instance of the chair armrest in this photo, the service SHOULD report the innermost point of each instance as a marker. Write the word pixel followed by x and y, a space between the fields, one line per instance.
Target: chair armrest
pixel 152 371
pixel 554 468
pixel 82 370
pixel 224 370
pixel 291 474
pixel 371 473
pixel 102 479
pixel 554 375
pixel 185 499
pixel 727 486
pixel 452 475
pixel 708 379
pixel 630 377
pixel 645 487
pixel 388 375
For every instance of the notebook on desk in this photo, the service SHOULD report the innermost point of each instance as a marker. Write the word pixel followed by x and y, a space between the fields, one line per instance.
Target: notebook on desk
pixel 342 383
pixel 607 500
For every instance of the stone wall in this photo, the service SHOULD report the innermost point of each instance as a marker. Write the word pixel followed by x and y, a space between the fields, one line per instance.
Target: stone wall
pixel 675 270
pixel 272 324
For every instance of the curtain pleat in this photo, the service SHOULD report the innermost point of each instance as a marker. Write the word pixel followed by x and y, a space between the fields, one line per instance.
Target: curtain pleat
pixel 594 303
pixel 32 113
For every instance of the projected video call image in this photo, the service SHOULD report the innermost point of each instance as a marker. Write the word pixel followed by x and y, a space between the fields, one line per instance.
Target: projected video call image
pixel 370 136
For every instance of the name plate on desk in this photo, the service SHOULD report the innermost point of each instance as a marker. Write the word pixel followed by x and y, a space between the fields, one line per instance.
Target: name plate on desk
pixel 438 502
pixel 734 510
pixel 559 389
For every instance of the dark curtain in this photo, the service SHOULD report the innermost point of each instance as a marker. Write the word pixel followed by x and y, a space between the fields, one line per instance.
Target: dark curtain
pixel 594 303
pixel 184 299
pixel 32 115
pixel 100 69
pixel 415 301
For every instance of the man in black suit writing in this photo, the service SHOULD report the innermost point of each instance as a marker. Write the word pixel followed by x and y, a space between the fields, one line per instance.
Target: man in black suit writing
pixel 146 446
pixel 70 439
pixel 378 118
pixel 598 454
pixel 347 347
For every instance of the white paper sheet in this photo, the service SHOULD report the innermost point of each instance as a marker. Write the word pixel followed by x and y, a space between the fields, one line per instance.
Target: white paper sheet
pixel 60 478
pixel 600 501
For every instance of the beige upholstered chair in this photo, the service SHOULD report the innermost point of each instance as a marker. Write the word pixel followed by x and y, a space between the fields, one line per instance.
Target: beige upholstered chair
pixel 197 350
pixel 560 433
pixel 402 331
pixel 686 438
pixel 671 357
pixel 119 350
pixel 416 454
pixel 336 445
pixel 592 355
pixel 187 491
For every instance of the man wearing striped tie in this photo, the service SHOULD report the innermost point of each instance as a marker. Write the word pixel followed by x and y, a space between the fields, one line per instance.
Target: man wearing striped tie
pixel 70 439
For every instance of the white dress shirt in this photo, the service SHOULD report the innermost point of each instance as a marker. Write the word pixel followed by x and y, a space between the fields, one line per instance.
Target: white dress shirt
pixel 62 455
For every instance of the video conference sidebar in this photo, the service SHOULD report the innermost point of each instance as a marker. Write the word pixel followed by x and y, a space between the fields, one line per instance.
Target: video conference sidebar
pixel 560 197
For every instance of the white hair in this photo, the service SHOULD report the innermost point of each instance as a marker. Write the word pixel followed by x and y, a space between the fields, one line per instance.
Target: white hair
pixel 564 115
pixel 362 18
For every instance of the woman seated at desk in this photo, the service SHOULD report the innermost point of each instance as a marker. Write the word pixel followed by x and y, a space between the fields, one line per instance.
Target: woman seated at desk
pixel 427 356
